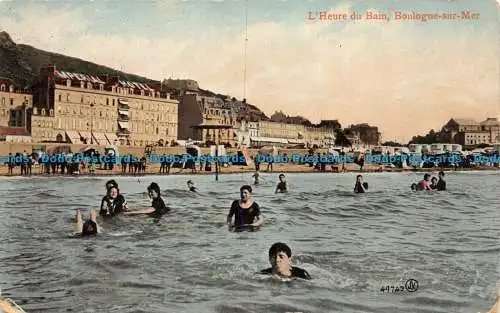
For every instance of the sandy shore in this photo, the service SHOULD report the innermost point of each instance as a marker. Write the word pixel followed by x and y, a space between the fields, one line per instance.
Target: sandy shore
pixel 154 169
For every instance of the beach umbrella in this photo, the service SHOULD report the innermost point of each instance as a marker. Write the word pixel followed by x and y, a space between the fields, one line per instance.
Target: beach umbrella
pixel 59 150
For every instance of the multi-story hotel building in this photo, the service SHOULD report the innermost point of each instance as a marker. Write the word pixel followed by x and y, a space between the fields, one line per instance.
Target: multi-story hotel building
pixel 207 119
pixel 469 133
pixel 287 133
pixel 82 108
pixel 14 105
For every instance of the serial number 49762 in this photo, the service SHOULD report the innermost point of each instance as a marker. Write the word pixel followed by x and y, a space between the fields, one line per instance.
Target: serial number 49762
pixel 392 289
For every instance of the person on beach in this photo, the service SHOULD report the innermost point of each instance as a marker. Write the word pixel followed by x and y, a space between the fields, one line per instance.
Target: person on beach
pixel 87 228
pixel 441 184
pixel 246 211
pixel 113 202
pixel 191 186
pixel 424 183
pixel 280 257
pixel 360 186
pixel 282 185
pixel 158 207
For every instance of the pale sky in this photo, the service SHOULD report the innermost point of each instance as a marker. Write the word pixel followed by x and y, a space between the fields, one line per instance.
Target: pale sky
pixel 405 77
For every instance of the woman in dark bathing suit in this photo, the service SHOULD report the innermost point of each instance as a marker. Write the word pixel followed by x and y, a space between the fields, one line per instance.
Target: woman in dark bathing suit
pixel 113 203
pixel 246 212
pixel 158 207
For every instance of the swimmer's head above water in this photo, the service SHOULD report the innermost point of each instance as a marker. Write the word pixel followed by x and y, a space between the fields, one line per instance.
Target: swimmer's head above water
pixel 190 183
pixel 281 177
pixel 154 190
pixel 111 183
pixel 280 257
pixel 245 193
pixel 413 187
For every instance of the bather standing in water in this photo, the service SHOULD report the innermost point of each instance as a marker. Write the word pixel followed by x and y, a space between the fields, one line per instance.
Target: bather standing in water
pixel 441 184
pixel 158 207
pixel 280 257
pixel 191 186
pixel 89 227
pixel 256 178
pixel 113 203
pixel 433 185
pixel 360 186
pixel 246 212
pixel 282 185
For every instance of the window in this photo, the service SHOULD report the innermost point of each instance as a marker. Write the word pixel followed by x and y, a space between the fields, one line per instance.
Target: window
pixel 67 97
pixel 113 102
pixel 51 112
pixel 43 112
pixel 11 101
pixel 2 88
pixel 81 101
pixel 3 101
pixel 107 101
pixel 60 98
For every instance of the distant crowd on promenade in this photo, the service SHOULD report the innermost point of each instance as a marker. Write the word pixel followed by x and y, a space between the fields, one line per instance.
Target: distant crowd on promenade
pixel 79 163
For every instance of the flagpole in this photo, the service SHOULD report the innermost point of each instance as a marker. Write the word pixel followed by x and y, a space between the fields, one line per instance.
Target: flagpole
pixel 245 53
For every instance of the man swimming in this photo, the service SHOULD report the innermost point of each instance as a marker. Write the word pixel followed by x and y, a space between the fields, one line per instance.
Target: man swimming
pixel 191 186
pixel 280 257
pixel 158 207
pixel 282 185
pixel 360 186
pixel 113 203
pixel 87 228
pixel 424 183
pixel 246 212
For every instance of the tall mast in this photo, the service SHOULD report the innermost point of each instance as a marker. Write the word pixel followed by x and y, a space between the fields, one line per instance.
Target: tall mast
pixel 245 57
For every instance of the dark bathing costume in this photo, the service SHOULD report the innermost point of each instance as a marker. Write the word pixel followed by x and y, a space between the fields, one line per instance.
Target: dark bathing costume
pixel 110 206
pixel 358 188
pixel 243 216
pixel 159 206
pixel 281 187
pixel 441 185
pixel 192 188
pixel 296 272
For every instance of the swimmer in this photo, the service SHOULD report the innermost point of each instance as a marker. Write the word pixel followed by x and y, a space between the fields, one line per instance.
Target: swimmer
pixel 424 183
pixel 413 187
pixel 256 178
pixel 191 186
pixel 433 183
pixel 441 184
pixel 280 257
pixel 246 212
pixel 158 207
pixel 113 202
pixel 87 228
pixel 360 186
pixel 282 185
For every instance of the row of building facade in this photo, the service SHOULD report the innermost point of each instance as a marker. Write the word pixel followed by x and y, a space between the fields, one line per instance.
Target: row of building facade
pixel 79 108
